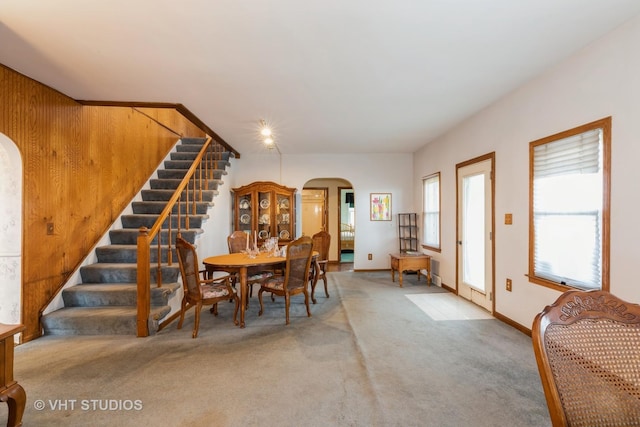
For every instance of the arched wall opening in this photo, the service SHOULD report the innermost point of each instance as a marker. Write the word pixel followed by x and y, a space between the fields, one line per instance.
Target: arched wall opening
pixel 10 232
pixel 339 215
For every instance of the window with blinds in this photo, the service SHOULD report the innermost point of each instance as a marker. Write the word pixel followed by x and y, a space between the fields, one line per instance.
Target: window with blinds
pixel 569 208
pixel 431 211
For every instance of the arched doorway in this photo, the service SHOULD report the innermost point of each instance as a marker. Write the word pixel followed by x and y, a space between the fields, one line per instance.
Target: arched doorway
pixel 337 207
pixel 10 231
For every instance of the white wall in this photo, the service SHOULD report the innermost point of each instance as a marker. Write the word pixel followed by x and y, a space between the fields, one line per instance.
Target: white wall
pixel 213 240
pixel 601 80
pixel 370 173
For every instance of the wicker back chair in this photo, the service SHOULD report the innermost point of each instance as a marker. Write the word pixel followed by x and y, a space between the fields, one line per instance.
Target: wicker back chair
pixel 296 276
pixel 237 242
pixel 321 243
pixel 200 290
pixel 587 346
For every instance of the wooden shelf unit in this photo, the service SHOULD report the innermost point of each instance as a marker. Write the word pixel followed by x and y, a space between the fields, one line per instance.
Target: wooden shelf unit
pixel 408 232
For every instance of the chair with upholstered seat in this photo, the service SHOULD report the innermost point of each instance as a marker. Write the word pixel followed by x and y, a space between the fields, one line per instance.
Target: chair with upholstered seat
pixel 321 243
pixel 296 276
pixel 237 242
pixel 587 346
pixel 199 290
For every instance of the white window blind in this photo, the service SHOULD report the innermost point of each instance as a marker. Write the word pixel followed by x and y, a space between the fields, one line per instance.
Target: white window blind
pixel 567 210
pixel 431 211
pixel 576 154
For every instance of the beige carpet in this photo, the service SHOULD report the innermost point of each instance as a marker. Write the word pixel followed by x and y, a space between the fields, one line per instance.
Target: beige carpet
pixel 368 357
pixel 447 306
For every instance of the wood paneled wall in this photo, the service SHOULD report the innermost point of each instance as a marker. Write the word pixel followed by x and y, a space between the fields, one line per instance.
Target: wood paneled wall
pixel 82 166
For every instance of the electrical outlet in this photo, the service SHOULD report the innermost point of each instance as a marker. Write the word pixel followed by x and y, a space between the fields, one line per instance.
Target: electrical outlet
pixel 370 257
pixel 508 219
pixel 509 285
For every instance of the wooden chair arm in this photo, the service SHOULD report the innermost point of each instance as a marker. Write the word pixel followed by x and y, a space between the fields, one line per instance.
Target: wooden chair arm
pixel 226 279
pixel 206 277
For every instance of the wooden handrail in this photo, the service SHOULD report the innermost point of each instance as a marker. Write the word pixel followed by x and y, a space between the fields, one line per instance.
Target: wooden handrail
pixel 206 159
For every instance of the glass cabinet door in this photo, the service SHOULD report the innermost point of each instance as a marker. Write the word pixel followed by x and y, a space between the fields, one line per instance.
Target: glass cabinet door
pixel 245 217
pixel 283 217
pixel 264 215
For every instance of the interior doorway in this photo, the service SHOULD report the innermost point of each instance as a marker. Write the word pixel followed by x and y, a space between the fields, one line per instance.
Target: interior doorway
pixel 475 221
pixel 314 210
pixel 333 209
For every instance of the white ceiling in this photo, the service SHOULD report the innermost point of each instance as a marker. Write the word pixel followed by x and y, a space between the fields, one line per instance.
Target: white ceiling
pixel 331 76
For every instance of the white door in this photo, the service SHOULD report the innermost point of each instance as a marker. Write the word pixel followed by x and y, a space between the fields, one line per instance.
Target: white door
pixel 314 210
pixel 475 229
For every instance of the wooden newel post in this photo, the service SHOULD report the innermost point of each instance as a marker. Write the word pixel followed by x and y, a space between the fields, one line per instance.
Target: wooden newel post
pixel 10 391
pixel 144 283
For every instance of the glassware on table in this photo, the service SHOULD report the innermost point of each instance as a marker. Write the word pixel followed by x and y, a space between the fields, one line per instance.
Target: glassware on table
pixel 253 251
pixel 282 252
pixel 270 246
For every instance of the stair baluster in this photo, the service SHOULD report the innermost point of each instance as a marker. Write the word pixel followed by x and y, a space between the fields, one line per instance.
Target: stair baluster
pixel 147 235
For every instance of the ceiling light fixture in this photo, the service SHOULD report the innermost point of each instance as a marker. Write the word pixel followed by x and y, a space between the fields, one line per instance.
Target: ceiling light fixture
pixel 265 131
pixel 267 135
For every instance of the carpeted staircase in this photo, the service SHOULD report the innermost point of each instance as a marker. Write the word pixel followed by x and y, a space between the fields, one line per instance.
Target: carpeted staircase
pixel 105 301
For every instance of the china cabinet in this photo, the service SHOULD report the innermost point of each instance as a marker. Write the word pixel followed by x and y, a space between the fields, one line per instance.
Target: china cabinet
pixel 265 209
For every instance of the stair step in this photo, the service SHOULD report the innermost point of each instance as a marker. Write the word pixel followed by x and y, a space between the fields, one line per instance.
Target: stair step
pixel 129 236
pixel 187 144
pixel 98 320
pixel 192 153
pixel 180 173
pixel 156 207
pixel 155 195
pixel 103 272
pixel 148 220
pixel 177 164
pixel 172 183
pixel 193 141
pixel 196 146
pixel 128 254
pixel 114 294
pixel 188 148
pixel 184 155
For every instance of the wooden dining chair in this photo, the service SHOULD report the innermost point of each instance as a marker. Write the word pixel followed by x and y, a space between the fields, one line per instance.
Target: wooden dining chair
pixel 199 290
pixel 237 242
pixel 296 276
pixel 587 347
pixel 321 243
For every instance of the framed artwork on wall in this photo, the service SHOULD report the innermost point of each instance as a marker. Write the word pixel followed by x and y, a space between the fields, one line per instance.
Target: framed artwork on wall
pixel 380 207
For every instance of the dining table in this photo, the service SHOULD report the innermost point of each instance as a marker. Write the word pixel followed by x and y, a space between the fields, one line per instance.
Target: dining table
pixel 239 263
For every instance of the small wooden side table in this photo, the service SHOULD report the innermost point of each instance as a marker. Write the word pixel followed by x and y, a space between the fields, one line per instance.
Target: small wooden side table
pixel 401 262
pixel 10 391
